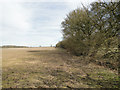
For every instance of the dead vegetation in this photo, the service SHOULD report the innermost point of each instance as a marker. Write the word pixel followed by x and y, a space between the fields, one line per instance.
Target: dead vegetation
pixel 53 68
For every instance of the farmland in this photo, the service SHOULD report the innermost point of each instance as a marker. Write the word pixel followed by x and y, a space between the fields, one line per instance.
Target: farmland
pixel 49 67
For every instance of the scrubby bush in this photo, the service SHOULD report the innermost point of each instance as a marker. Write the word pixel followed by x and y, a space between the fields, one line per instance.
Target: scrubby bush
pixel 87 31
pixel 60 44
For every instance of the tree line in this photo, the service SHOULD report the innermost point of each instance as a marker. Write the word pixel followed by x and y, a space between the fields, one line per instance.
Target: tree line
pixel 13 46
pixel 92 31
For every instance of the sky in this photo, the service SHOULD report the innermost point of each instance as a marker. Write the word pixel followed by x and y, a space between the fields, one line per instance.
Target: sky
pixel 34 22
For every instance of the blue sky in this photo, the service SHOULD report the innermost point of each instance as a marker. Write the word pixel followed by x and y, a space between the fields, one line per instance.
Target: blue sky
pixel 34 22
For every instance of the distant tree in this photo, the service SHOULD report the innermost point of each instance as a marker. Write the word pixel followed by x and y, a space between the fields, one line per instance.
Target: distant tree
pixel 51 46
pixel 13 46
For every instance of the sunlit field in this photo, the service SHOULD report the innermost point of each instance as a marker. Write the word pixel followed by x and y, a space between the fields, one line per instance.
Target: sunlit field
pixel 49 67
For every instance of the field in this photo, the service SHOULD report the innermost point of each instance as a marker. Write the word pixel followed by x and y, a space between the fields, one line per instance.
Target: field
pixel 49 67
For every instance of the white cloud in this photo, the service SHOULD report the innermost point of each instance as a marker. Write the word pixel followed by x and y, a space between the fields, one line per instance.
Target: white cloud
pixel 15 16
pixel 34 24
pixel 46 0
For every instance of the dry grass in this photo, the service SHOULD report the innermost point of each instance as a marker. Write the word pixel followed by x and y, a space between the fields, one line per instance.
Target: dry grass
pixel 52 68
pixel 0 68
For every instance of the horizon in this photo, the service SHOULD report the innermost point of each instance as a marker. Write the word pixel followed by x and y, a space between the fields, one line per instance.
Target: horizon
pixel 30 46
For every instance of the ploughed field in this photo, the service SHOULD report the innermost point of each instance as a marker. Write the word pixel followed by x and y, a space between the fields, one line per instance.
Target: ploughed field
pixel 49 67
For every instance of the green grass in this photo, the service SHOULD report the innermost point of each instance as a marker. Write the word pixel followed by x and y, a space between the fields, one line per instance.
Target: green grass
pixel 53 68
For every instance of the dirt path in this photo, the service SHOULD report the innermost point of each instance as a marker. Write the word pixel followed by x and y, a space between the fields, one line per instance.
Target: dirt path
pixel 52 68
